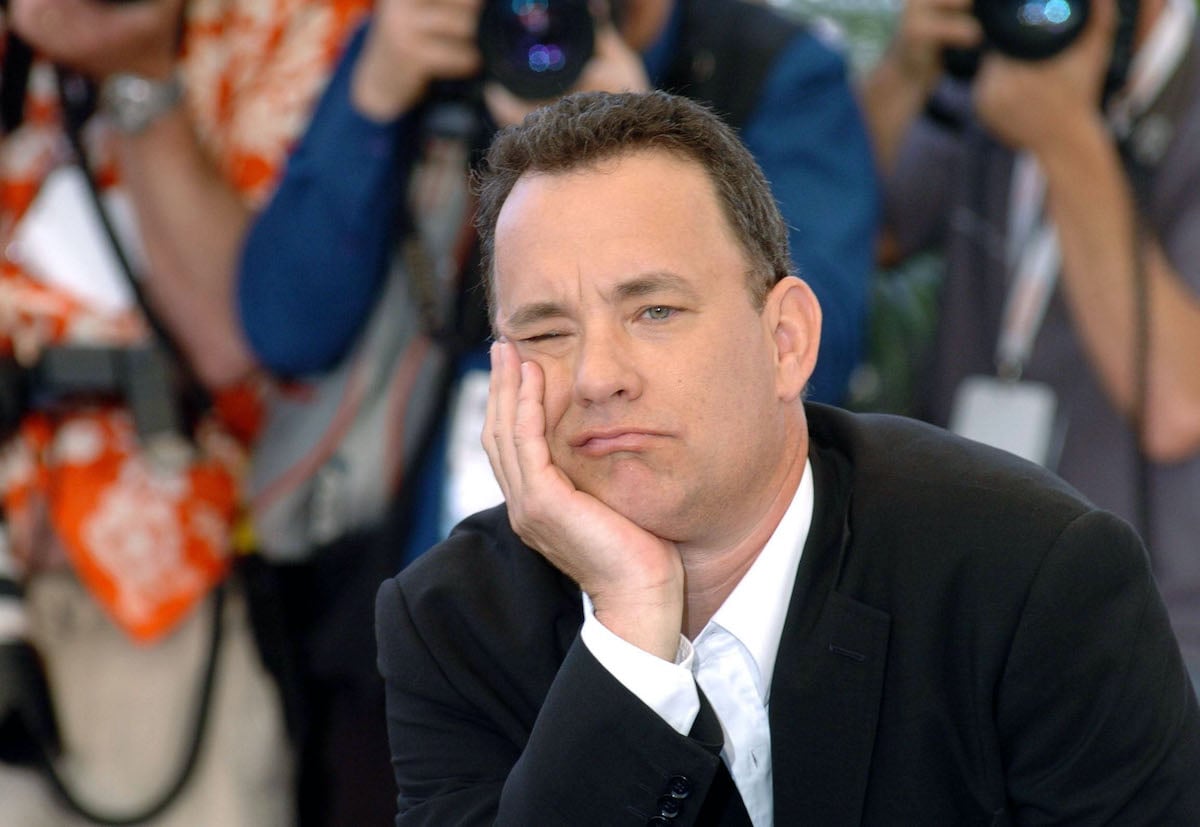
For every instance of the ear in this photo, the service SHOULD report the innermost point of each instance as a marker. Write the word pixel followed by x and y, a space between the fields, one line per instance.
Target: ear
pixel 794 315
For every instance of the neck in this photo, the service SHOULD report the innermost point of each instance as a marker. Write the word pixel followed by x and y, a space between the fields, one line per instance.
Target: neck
pixel 711 574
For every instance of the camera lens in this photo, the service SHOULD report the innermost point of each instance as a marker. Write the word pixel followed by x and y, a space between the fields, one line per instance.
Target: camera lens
pixel 536 48
pixel 1031 29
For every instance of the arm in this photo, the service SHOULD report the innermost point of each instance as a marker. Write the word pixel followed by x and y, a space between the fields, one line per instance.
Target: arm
pixel 192 207
pixel 809 138
pixel 895 90
pixel 190 219
pixel 315 256
pixel 510 750
pixel 191 222
pixel 914 156
pixel 1091 204
pixel 314 259
pixel 1097 721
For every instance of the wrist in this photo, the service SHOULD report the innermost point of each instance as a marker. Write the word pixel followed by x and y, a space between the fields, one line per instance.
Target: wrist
pixel 133 102
pixel 651 620
pixel 379 89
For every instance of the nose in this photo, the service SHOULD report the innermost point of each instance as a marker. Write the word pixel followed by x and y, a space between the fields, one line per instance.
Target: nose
pixel 606 367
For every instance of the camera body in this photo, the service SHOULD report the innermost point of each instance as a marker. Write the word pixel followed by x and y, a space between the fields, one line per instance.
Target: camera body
pixel 1040 29
pixel 536 48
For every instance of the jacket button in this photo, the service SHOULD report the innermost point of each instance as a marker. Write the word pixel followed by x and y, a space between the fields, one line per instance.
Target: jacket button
pixel 678 786
pixel 669 807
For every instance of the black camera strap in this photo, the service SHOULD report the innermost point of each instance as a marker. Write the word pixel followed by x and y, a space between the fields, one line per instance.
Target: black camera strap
pixel 14 78
pixel 185 398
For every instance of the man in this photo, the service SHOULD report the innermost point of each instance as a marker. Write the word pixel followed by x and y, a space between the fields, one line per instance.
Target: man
pixel 1070 221
pixel 360 279
pixel 110 543
pixel 698 577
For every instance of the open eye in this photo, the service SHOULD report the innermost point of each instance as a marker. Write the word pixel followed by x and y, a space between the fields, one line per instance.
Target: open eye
pixel 659 312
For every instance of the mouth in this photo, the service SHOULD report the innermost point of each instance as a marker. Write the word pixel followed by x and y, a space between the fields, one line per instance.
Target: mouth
pixel 613 441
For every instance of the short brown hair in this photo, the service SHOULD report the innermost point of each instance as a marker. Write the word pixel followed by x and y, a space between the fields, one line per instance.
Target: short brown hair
pixel 588 127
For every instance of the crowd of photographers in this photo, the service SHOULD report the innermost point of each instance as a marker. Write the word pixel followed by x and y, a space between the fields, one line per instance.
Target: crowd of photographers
pixel 233 377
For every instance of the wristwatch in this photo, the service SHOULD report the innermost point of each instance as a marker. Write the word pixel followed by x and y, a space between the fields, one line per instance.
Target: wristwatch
pixel 133 102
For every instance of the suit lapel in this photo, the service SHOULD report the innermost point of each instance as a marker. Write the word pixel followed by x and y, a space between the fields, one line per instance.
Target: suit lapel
pixel 828 681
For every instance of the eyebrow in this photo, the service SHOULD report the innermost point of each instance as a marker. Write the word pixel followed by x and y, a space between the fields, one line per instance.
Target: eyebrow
pixel 531 314
pixel 640 286
pixel 651 283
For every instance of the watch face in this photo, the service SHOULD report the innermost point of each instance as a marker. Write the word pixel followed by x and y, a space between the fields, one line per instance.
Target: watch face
pixel 133 102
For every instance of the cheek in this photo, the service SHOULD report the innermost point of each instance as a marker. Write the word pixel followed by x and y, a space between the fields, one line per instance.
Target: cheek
pixel 557 394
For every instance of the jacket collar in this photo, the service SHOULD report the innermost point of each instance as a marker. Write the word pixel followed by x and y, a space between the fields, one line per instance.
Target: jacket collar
pixel 828 682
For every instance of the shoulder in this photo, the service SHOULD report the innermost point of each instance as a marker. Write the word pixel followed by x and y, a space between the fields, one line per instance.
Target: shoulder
pixel 932 512
pixel 905 458
pixel 483 587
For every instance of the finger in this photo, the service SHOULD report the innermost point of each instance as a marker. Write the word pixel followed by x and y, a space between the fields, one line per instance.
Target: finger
pixel 614 67
pixel 958 32
pixel 529 431
pixel 447 58
pixel 497 427
pixel 458 23
pixel 505 108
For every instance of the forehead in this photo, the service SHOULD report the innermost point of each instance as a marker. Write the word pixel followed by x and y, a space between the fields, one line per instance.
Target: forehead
pixel 648 211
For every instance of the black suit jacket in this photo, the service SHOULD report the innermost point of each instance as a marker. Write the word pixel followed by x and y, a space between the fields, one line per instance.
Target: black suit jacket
pixel 968 642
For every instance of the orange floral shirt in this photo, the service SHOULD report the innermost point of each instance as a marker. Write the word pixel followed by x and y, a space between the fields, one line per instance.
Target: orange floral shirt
pixel 147 540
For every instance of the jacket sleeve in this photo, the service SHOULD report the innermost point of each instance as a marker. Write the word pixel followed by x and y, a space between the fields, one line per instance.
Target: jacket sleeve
pixel 808 135
pixel 1097 720
pixel 592 753
pixel 313 260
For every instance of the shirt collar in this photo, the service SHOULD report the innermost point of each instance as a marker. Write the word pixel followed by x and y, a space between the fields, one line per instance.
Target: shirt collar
pixel 755 611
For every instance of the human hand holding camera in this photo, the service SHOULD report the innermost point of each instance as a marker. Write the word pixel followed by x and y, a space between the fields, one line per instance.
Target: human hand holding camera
pixel 613 67
pixel 635 579
pixel 1037 105
pixel 99 38
pixel 925 30
pixel 411 44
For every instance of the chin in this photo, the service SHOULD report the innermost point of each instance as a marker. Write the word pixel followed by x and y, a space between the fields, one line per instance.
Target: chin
pixel 653 513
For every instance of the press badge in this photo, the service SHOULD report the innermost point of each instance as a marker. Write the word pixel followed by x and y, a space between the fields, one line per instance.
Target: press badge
pixel 1020 417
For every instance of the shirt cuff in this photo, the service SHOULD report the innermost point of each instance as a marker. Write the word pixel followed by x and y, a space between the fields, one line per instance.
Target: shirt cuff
pixel 667 688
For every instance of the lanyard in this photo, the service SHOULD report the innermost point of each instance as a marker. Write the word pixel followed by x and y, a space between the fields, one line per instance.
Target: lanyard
pixel 1034 257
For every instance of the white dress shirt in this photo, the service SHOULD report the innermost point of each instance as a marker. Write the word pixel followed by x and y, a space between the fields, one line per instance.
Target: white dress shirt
pixel 733 659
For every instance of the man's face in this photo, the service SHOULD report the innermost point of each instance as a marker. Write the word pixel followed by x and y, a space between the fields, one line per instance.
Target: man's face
pixel 663 396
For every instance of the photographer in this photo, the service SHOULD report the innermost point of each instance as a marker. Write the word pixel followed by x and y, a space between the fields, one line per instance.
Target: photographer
pixel 175 116
pixel 1065 195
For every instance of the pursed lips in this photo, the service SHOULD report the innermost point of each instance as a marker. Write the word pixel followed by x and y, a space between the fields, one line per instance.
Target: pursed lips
pixel 597 443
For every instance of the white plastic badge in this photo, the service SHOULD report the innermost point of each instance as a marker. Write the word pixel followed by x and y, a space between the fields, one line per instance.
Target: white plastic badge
pixel 61 241
pixel 470 484
pixel 1019 417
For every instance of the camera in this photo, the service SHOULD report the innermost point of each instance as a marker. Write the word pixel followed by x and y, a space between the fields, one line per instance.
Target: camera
pixel 1039 29
pixel 1032 29
pixel 536 48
